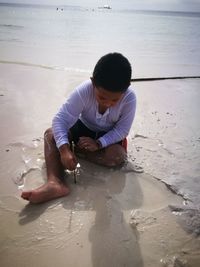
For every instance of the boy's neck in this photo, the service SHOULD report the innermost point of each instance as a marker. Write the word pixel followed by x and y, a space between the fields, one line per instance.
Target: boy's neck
pixel 102 109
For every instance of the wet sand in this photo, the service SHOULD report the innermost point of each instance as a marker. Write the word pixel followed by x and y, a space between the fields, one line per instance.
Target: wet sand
pixel 111 217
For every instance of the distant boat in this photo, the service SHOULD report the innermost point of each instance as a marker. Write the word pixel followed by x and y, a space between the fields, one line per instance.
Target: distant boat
pixel 105 7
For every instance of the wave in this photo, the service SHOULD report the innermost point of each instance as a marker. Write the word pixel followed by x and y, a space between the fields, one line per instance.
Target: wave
pixel 162 12
pixel 11 26
pixel 62 68
pixel 11 40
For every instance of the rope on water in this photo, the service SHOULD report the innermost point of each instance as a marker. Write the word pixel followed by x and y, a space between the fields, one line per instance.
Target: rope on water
pixel 164 78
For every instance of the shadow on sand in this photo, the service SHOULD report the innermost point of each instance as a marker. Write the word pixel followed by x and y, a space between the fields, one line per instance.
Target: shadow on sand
pixel 111 194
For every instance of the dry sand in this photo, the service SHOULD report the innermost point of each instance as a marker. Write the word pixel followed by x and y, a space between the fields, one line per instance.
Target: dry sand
pixel 111 218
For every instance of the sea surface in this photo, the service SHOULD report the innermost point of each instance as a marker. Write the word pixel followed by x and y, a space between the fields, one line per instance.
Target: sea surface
pixel 71 39
pixel 158 43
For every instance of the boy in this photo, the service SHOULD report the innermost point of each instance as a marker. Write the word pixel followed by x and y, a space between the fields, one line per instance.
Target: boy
pixel 97 116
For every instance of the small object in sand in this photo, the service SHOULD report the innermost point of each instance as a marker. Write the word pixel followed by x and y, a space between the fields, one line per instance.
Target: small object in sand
pixel 76 171
pixel 75 177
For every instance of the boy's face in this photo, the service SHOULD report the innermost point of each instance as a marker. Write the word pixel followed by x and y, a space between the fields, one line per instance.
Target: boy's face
pixel 106 98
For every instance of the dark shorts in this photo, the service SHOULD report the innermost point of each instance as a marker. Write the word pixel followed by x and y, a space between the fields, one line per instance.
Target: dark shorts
pixel 79 129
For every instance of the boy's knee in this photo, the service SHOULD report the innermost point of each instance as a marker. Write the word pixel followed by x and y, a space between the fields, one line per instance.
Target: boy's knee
pixel 116 162
pixel 48 134
pixel 116 156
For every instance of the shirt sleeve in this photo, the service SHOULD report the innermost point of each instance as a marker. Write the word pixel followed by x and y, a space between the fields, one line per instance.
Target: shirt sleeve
pixel 123 125
pixel 68 115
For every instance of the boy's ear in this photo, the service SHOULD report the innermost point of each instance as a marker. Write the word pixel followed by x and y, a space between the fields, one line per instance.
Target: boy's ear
pixel 92 79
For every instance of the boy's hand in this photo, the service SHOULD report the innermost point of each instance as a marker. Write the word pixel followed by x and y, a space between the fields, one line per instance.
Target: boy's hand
pixel 88 144
pixel 68 158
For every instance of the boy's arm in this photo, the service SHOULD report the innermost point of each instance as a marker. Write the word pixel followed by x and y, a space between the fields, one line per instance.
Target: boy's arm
pixel 68 115
pixel 63 121
pixel 68 159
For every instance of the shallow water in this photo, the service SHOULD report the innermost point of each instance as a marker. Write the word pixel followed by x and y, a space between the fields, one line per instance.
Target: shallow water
pixel 93 219
pixel 49 38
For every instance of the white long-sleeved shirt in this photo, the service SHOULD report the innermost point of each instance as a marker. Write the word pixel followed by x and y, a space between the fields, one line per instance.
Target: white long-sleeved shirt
pixel 82 104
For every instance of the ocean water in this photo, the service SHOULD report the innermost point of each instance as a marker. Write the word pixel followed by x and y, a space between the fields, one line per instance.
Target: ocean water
pixel 75 37
pixel 72 38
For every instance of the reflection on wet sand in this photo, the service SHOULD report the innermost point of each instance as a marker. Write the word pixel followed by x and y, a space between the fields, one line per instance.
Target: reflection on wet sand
pixel 114 243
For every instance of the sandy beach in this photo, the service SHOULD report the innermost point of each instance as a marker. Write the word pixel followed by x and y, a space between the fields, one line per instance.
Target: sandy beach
pixel 111 217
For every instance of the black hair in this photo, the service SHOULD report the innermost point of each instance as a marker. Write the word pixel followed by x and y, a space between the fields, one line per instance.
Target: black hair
pixel 113 73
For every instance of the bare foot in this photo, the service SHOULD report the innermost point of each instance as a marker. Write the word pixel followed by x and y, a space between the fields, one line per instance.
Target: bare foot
pixel 46 192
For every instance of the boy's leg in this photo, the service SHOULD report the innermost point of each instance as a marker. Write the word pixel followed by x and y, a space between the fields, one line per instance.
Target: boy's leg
pixel 111 156
pixel 55 186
